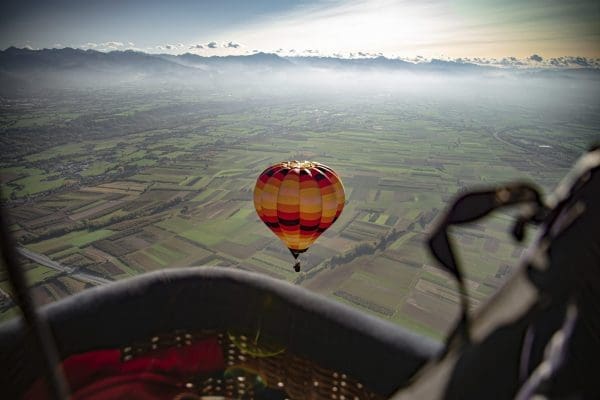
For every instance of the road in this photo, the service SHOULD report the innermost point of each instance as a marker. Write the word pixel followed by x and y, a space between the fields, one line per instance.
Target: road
pixel 45 261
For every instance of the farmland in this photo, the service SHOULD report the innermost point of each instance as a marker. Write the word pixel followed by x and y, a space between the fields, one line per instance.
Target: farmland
pixel 135 181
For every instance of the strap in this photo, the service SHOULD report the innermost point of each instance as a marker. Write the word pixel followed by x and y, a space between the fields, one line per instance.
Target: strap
pixel 36 323
pixel 472 206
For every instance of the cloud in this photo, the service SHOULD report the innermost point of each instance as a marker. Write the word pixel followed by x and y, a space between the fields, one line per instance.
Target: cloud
pixel 537 61
pixel 90 45
pixel 511 62
pixel 504 62
pixel 573 61
pixel 112 45
pixel 480 60
pixel 232 45
pixel 130 44
pixel 581 61
pixel 365 54
pixel 169 46
pixel 212 45
pixel 196 46
pixel 536 58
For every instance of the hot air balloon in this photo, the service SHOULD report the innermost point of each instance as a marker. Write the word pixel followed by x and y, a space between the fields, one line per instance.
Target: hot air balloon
pixel 298 200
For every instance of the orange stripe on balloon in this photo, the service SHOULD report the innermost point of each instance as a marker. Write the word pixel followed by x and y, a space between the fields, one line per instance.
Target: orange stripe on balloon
pixel 298 201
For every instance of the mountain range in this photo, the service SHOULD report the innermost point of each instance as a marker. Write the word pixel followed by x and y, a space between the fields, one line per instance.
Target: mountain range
pixel 13 59
pixel 22 67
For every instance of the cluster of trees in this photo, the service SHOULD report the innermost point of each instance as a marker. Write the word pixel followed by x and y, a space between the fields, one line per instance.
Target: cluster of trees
pixel 357 251
pixel 360 250
pixel 367 248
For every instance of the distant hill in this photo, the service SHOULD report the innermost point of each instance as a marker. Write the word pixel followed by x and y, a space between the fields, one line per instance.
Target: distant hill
pixel 76 59
pixel 254 61
pixel 14 60
pixel 24 68
pixel 52 67
pixel 354 63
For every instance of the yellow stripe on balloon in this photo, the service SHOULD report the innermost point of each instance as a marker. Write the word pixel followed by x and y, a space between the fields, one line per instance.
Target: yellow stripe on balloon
pixel 298 201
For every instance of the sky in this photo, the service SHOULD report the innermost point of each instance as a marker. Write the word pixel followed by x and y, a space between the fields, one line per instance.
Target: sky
pixel 427 28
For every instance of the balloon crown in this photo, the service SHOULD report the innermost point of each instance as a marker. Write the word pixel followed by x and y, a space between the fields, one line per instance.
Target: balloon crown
pixel 298 164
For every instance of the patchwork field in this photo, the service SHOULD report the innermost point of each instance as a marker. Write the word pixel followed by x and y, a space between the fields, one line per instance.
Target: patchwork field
pixel 177 192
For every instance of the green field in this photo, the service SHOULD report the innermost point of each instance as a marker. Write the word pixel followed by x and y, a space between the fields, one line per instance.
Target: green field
pixel 177 191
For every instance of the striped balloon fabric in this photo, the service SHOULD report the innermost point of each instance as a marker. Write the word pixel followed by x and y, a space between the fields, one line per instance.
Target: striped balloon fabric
pixel 298 200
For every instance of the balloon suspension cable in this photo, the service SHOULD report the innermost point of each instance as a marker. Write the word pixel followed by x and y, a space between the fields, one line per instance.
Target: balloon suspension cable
pixel 37 324
pixel 296 253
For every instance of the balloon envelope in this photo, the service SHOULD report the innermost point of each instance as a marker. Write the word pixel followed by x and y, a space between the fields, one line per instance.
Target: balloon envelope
pixel 298 200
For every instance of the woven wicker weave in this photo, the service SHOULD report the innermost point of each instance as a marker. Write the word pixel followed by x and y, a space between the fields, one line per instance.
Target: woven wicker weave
pixel 253 366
